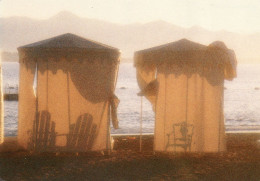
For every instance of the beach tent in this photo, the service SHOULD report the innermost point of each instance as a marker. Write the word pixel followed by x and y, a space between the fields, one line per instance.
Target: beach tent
pixel 184 81
pixel 1 105
pixel 66 94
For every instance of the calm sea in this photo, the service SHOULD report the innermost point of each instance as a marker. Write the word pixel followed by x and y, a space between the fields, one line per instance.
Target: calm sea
pixel 241 103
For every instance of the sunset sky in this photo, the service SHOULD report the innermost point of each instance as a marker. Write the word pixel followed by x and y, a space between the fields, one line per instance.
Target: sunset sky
pixel 233 15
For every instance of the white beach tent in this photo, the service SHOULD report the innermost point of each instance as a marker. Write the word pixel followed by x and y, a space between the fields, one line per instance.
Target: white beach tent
pixel 184 81
pixel 74 100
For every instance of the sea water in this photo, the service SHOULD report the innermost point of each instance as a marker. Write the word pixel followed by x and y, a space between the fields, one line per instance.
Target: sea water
pixel 241 101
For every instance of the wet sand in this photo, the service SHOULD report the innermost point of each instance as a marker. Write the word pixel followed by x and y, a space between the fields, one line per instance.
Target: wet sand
pixel 240 162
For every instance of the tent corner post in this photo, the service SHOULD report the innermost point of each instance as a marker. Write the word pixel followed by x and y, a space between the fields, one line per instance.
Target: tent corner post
pixel 141 124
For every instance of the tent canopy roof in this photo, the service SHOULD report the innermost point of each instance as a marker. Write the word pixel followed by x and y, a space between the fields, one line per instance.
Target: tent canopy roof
pixel 183 45
pixel 180 45
pixel 67 41
pixel 186 52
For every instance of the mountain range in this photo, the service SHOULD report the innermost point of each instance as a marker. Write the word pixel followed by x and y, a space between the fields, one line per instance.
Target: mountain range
pixel 17 31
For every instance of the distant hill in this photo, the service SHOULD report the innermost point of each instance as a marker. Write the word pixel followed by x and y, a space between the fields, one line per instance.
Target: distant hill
pixel 17 31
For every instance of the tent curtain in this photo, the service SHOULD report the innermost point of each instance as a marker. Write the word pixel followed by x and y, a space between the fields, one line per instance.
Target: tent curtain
pixel 71 116
pixel 150 92
pixel 200 105
pixel 114 102
pixel 189 91
pixel 146 78
pixel 27 101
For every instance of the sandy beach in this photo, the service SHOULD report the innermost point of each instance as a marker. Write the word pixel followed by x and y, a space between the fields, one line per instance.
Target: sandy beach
pixel 240 162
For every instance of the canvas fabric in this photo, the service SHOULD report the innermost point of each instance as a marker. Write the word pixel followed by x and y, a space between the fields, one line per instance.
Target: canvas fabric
pixel 27 99
pixel 73 103
pixel 190 90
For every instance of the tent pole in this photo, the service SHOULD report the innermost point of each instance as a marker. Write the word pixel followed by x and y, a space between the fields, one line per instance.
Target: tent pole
pixel 141 123
pixel 47 87
pixel 36 92
pixel 108 132
pixel 187 96
pixel 36 106
pixel 68 91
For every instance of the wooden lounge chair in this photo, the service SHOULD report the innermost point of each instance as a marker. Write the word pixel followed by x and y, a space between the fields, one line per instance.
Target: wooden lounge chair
pixel 80 137
pixel 43 135
pixel 81 134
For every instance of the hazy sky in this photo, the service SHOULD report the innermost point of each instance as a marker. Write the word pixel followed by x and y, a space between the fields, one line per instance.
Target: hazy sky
pixel 232 15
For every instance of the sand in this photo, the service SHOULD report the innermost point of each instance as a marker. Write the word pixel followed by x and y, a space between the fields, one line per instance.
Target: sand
pixel 240 162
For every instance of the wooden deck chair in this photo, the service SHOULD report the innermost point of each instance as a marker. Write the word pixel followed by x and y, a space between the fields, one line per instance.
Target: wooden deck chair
pixel 43 135
pixel 81 134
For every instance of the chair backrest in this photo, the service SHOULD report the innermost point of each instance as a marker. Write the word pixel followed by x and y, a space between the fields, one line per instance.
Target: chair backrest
pixel 182 130
pixel 43 135
pixel 82 133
